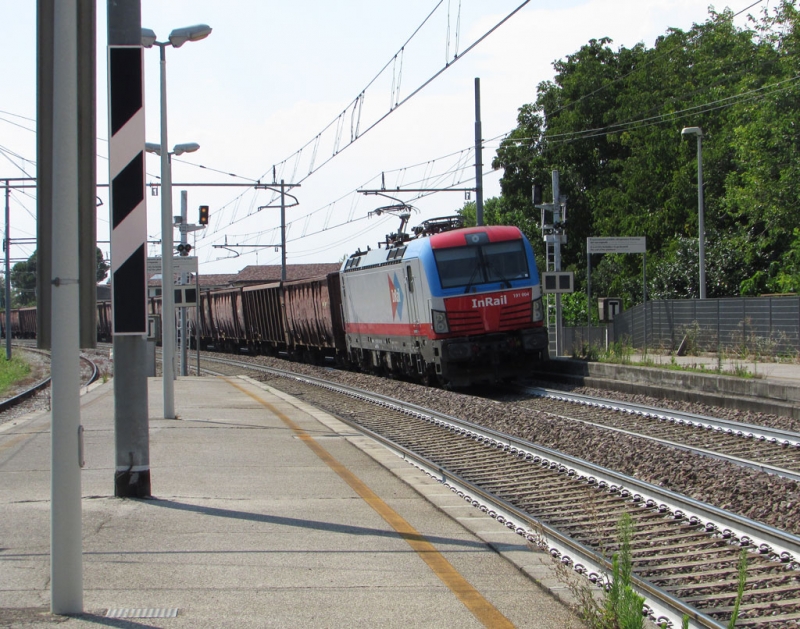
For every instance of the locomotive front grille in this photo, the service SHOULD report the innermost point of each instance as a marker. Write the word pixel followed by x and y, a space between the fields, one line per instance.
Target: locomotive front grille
pixel 494 319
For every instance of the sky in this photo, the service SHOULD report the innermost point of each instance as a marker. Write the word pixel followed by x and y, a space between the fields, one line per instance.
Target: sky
pixel 376 94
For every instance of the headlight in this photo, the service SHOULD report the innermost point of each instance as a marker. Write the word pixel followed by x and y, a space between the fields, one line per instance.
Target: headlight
pixel 440 322
pixel 538 310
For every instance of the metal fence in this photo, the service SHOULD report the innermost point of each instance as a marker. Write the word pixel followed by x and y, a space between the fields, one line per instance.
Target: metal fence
pixel 752 325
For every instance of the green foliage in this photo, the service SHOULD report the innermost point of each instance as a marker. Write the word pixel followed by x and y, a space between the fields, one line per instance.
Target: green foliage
pixel 742 569
pixel 23 278
pixel 610 123
pixel 12 371
pixel 23 282
pixel 622 605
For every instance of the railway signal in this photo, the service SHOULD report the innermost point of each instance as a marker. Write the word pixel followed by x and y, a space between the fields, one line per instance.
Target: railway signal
pixel 203 220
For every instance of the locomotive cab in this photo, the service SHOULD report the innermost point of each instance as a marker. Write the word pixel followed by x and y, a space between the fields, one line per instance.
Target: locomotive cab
pixel 487 312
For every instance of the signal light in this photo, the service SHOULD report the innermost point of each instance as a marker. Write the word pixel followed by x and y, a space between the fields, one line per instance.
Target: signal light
pixel 184 249
pixel 203 215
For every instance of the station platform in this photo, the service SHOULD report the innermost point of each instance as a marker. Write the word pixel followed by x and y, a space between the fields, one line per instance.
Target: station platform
pixel 265 513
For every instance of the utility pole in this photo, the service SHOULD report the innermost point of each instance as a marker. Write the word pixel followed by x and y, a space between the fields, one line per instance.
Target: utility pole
pixel 66 460
pixel 554 235
pixel 183 250
pixel 281 189
pixel 7 248
pixel 478 156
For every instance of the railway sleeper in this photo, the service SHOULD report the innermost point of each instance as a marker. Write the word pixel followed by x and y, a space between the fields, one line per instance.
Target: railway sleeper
pixel 729 584
pixel 485 474
pixel 710 545
pixel 778 591
pixel 591 527
pixel 569 501
pixel 547 486
pixel 641 520
pixel 725 569
pixel 653 564
pixel 767 620
pixel 756 607
pixel 655 541
pixel 536 500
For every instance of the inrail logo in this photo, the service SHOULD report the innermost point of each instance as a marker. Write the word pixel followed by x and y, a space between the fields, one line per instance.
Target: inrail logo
pixel 396 296
pixel 490 301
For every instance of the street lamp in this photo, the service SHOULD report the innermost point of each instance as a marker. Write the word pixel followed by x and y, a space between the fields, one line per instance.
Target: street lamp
pixel 176 39
pixel 697 131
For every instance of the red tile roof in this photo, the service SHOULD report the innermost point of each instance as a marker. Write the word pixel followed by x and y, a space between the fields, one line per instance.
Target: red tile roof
pixel 259 274
pixel 256 274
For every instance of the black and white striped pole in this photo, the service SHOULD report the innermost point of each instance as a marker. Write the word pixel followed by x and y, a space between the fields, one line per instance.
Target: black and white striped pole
pixel 128 248
pixel 177 38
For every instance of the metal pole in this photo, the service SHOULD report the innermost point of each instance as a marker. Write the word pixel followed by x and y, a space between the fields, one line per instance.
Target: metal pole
pixel 184 344
pixel 197 312
pixel 700 217
pixel 167 289
pixel 588 287
pixel 644 298
pixel 131 407
pixel 283 232
pixel 478 156
pixel 7 248
pixel 66 560
pixel 557 261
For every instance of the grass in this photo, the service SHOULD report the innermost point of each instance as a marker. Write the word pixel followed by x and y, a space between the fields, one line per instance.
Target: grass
pixel 11 372
pixel 621 353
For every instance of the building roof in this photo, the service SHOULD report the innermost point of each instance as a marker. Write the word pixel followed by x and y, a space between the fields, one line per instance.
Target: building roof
pixel 257 274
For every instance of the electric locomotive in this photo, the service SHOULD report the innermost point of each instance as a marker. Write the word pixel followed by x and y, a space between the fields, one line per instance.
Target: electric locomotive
pixel 454 305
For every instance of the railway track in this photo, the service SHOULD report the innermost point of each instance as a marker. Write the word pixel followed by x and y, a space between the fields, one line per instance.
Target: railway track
pixel 760 447
pixel 685 553
pixel 90 372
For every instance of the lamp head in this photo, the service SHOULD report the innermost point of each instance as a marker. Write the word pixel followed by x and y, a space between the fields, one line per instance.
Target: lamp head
pixel 152 147
pixel 189 147
pixel 148 37
pixel 180 36
pixel 692 131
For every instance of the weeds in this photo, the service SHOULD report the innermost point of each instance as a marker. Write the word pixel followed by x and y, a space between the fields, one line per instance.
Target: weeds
pixel 12 371
pixel 740 592
pixel 623 606
pixel 620 606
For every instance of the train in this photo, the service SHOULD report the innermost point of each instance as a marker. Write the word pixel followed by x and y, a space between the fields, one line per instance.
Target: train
pixel 451 305
pixel 23 322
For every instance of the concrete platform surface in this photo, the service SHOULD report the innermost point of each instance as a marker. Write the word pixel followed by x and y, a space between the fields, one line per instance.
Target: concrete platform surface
pixel 265 513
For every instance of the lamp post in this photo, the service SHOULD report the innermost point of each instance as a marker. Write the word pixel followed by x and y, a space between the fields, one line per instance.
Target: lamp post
pixel 698 132
pixel 176 39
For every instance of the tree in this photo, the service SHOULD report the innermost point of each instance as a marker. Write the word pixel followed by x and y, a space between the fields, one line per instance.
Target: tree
pixel 610 123
pixel 23 278
pixel 23 282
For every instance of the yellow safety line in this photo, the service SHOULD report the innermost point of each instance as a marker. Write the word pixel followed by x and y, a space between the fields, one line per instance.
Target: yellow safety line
pixel 482 609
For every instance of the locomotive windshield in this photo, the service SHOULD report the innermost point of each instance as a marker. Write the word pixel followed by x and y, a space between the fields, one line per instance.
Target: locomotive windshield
pixel 482 264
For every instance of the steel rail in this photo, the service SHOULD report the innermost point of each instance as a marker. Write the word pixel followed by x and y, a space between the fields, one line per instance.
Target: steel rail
pixel 730 427
pixel 761 467
pixel 44 383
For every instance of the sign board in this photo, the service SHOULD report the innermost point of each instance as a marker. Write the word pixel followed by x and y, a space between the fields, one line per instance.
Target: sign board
pixel 558 282
pixel 185 296
pixel 180 264
pixel 616 245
